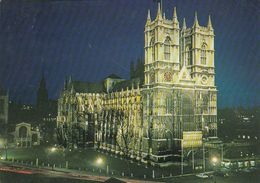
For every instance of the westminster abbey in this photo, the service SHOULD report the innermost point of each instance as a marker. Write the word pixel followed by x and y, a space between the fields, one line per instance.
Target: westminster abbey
pixel 173 107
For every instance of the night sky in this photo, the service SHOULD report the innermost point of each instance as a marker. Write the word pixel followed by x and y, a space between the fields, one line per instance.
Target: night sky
pixel 91 39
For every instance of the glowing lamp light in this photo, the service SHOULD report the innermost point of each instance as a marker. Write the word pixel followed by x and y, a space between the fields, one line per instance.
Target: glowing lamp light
pixel 99 161
pixel 53 149
pixel 214 160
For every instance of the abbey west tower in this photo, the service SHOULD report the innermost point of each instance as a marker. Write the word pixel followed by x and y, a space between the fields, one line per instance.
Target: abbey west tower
pixel 179 94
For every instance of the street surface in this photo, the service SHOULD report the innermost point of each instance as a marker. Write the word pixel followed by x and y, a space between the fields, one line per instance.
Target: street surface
pixel 19 174
pixel 82 166
pixel 24 174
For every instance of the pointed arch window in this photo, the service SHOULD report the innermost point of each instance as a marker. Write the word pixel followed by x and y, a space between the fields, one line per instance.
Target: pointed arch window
pixel 153 49
pixel 188 55
pixel 167 47
pixel 203 56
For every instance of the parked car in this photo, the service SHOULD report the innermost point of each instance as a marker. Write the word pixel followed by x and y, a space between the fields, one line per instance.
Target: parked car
pixel 253 169
pixel 221 174
pixel 202 175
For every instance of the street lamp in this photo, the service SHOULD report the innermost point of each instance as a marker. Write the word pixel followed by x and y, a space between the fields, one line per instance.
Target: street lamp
pixel 3 143
pixel 214 161
pixel 99 163
pixel 53 149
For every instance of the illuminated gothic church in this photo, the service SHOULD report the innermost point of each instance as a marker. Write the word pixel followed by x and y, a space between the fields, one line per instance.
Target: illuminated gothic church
pixel 174 107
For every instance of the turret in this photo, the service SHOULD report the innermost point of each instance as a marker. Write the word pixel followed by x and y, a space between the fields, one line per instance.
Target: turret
pixel 184 24
pixel 209 24
pixel 159 13
pixel 65 84
pixel 70 79
pixel 148 21
pixel 174 17
pixel 196 22
pixel 72 88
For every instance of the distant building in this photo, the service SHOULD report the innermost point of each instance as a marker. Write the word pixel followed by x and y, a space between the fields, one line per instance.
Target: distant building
pixel 111 81
pixel 175 106
pixel 46 112
pixel 240 131
pixel 26 136
pixel 4 103
pixel 247 129
pixel 240 154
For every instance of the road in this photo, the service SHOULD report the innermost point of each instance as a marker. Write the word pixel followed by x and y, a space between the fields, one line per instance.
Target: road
pixel 27 173
pixel 240 177
pixel 85 161
pixel 21 174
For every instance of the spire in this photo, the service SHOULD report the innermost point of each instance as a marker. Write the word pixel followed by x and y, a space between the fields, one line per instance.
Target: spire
pixel 42 94
pixel 174 17
pixel 174 13
pixel 148 17
pixel 42 82
pixel 209 23
pixel 65 83
pixel 72 88
pixel 164 17
pixel 184 24
pixel 70 79
pixel 159 13
pixel 196 22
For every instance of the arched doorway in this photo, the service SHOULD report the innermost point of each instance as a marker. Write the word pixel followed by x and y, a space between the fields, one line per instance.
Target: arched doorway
pixel 22 132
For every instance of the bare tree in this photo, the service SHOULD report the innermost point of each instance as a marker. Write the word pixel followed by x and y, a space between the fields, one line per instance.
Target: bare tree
pixel 125 132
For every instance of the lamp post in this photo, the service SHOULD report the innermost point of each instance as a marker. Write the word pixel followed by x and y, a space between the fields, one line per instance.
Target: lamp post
pixel 5 151
pixel 3 143
pixel 99 163
pixel 214 161
pixel 52 150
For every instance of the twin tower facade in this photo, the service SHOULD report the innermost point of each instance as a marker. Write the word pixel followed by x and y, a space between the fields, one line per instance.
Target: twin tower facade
pixel 175 107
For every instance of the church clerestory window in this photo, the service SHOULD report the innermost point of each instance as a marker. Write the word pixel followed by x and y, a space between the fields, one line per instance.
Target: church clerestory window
pixel 167 47
pixel 188 55
pixel 203 55
pixel 153 49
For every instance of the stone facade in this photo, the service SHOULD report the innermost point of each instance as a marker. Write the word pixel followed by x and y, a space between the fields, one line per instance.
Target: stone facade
pixel 179 93
pixel 147 120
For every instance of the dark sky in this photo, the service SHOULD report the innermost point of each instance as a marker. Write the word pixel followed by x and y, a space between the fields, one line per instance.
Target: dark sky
pixel 90 39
